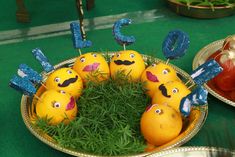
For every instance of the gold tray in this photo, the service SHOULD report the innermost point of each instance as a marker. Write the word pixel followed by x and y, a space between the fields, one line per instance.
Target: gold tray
pixel 194 122
pixel 191 152
pixel 201 11
pixel 201 57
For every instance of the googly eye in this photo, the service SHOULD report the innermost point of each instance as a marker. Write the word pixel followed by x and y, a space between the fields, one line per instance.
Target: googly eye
pixel 63 92
pixel 165 71
pixel 175 90
pixel 94 55
pixel 82 59
pixel 153 65
pixel 56 105
pixel 158 111
pixel 132 55
pixel 118 55
pixel 57 79
pixel 69 72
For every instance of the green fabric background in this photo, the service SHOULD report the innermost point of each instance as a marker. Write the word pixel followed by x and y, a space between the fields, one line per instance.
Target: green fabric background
pixel 54 11
pixel 16 140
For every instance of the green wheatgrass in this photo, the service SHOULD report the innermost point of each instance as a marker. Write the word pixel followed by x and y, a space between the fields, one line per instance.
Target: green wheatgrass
pixel 108 121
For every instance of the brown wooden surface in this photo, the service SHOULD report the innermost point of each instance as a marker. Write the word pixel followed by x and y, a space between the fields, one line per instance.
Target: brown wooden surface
pixel 22 14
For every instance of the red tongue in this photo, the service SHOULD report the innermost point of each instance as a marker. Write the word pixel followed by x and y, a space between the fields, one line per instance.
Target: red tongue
pixel 71 104
pixel 151 77
pixel 91 67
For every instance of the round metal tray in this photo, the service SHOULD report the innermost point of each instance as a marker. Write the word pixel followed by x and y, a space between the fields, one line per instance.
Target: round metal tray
pixel 192 152
pixel 201 11
pixel 195 120
pixel 201 57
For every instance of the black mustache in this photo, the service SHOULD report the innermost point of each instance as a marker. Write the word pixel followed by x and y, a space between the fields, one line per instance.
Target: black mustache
pixel 163 89
pixel 125 62
pixel 67 82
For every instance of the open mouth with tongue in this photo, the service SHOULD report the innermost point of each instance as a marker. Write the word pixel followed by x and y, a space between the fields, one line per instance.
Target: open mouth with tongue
pixel 91 67
pixel 71 104
pixel 151 77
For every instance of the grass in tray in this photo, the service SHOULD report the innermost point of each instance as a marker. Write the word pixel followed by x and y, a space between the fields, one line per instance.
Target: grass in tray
pixel 108 121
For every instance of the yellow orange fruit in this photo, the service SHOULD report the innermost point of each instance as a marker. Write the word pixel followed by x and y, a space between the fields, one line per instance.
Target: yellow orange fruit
pixel 129 62
pixel 56 106
pixel 170 93
pixel 160 124
pixel 92 66
pixel 65 79
pixel 156 74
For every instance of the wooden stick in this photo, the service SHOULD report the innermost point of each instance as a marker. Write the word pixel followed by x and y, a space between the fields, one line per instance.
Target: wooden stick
pixel 81 17
pixel 80 52
pixel 124 47
pixel 37 97
pixel 43 85
pixel 167 61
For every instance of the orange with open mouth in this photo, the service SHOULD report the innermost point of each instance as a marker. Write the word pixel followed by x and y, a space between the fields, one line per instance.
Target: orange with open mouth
pixel 92 66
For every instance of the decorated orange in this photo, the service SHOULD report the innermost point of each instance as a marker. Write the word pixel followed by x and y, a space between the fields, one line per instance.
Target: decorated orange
pixel 92 66
pixel 156 74
pixel 129 62
pixel 57 106
pixel 171 94
pixel 65 79
pixel 160 124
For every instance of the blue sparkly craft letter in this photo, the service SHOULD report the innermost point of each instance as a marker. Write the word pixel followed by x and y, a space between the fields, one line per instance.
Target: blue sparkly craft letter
pixel 78 42
pixel 25 71
pixel 38 54
pixel 206 71
pixel 121 39
pixel 175 44
pixel 23 85
pixel 197 97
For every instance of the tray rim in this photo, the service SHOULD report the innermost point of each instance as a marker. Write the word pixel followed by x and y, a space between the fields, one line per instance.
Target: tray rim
pixel 202 7
pixel 201 12
pixel 198 56
pixel 47 140
pixel 187 149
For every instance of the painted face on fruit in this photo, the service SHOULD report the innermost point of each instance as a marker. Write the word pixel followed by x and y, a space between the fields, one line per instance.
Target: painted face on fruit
pixel 129 62
pixel 92 66
pixel 65 79
pixel 160 124
pixel 57 105
pixel 157 74
pixel 171 94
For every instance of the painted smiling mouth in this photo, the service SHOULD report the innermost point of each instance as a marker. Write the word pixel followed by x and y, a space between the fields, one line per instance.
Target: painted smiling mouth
pixel 71 104
pixel 68 82
pixel 151 77
pixel 148 108
pixel 125 62
pixel 163 89
pixel 91 67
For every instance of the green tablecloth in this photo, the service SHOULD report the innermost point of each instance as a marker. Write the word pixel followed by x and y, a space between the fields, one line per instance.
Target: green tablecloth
pixel 16 140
